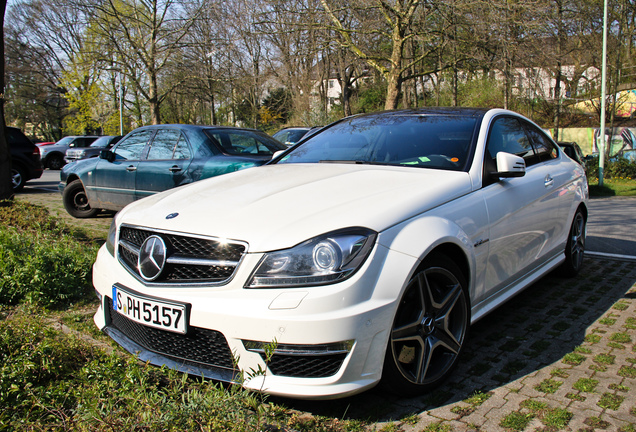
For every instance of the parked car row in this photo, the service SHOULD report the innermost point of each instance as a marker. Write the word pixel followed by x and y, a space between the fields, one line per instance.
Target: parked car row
pixel 105 142
pixel 291 135
pixel 53 154
pixel 359 256
pixel 152 159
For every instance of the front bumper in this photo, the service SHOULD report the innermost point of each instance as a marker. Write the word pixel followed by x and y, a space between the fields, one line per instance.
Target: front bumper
pixel 305 324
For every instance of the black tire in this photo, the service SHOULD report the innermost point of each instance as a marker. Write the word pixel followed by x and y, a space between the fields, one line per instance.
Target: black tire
pixel 76 201
pixel 55 162
pixel 429 329
pixel 18 178
pixel 575 246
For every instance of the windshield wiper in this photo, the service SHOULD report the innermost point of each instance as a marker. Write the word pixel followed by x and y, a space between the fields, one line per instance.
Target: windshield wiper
pixel 354 162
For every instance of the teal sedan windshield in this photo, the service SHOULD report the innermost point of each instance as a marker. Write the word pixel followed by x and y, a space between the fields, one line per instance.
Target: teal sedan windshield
pixel 428 141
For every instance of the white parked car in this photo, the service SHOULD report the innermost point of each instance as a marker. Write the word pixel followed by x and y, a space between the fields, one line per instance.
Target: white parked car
pixel 359 257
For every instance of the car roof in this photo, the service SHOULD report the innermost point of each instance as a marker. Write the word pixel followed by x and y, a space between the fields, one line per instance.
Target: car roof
pixel 195 127
pixel 463 111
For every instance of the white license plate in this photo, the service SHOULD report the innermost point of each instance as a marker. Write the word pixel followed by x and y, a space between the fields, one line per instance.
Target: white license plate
pixel 161 314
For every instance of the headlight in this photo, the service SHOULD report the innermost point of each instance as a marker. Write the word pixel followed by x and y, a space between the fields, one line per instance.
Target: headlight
pixel 328 258
pixel 112 235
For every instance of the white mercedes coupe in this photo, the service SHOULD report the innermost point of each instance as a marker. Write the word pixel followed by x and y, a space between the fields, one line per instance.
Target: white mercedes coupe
pixel 359 256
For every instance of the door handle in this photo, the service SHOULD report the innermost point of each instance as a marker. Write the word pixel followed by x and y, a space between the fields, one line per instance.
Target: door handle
pixel 549 181
pixel 174 168
pixel 131 168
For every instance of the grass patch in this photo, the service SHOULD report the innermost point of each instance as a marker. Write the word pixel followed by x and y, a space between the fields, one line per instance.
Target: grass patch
pixel 411 419
pixel 613 187
pixel 479 369
pixel 586 385
pixel 592 338
pixel 621 305
pixel 582 350
pixel 607 359
pixel 42 261
pixel 478 398
pixel 627 371
pixel 607 321
pixel 549 386
pixel 573 359
pixel 438 427
pixel 516 421
pixel 616 345
pixel 597 423
pixel 619 387
pixel 576 397
pixel 611 401
pixel 621 338
pixel 560 373
pixel 557 418
pixel 513 367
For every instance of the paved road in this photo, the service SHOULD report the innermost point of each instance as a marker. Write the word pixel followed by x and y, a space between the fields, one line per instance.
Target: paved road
pixel 611 226
pixel 48 181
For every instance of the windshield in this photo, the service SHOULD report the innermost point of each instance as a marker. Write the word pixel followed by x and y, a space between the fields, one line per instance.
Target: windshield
pixel 428 141
pixel 102 142
pixel 64 140
pixel 239 142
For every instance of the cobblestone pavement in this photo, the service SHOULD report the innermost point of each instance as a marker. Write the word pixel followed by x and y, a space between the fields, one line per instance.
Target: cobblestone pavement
pixel 559 356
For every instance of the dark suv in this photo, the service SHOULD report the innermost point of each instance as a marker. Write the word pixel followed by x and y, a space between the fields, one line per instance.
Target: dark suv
pixel 25 158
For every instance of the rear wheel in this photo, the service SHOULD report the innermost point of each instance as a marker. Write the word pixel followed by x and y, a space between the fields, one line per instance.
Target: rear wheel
pixel 18 178
pixel 575 247
pixel 429 329
pixel 55 162
pixel 76 201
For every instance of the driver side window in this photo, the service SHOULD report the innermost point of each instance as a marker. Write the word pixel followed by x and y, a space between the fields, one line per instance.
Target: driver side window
pixel 131 147
pixel 508 135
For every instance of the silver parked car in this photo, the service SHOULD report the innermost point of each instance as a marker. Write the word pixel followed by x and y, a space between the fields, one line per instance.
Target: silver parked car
pixel 102 143
pixel 53 155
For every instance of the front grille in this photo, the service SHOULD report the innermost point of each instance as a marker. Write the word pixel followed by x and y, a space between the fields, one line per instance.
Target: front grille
pixel 199 347
pixel 296 366
pixel 189 259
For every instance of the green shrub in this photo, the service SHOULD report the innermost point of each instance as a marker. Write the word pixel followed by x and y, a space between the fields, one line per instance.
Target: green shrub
pixel 620 168
pixel 43 270
pixel 48 378
pixel 41 260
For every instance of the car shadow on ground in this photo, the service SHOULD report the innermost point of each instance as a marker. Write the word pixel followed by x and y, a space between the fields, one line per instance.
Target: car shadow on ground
pixel 533 330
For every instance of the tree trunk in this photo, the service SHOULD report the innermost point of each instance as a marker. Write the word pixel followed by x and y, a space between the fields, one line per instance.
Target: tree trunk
pixel 6 187
pixel 393 91
pixel 153 100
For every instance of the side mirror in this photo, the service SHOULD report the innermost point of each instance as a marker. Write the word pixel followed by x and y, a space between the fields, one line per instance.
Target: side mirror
pixel 277 154
pixel 509 165
pixel 107 155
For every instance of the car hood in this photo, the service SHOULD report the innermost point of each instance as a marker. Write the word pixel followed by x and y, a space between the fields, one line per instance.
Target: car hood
pixel 278 206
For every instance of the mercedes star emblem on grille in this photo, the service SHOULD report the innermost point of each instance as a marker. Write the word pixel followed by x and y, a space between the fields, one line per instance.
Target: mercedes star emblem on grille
pixel 152 258
pixel 172 215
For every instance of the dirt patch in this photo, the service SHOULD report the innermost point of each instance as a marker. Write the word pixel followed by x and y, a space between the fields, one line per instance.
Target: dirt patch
pixel 95 227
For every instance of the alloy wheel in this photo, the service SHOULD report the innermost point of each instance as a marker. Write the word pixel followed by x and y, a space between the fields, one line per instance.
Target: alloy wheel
pixel 430 326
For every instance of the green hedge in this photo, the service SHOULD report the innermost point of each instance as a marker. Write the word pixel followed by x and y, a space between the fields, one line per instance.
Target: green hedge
pixel 619 168
pixel 41 260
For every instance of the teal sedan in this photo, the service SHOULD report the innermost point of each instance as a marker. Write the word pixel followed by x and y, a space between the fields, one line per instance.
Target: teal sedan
pixel 152 159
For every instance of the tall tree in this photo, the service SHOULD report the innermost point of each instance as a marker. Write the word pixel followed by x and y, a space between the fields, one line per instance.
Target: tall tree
pixel 144 35
pixel 392 23
pixel 6 188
